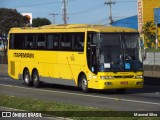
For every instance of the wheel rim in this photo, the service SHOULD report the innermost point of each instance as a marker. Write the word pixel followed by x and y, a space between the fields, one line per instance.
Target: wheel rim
pixel 35 79
pixel 27 78
pixel 84 84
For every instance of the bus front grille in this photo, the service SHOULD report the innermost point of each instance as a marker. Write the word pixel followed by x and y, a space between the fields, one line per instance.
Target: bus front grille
pixel 126 76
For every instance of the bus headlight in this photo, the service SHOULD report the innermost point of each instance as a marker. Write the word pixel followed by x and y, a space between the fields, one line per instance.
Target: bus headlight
pixel 139 83
pixel 106 77
pixel 138 76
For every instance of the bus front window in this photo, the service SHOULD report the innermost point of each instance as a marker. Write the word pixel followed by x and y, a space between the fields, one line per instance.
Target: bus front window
pixel 119 52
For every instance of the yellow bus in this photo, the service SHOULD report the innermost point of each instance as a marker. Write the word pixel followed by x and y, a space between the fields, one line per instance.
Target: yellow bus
pixel 82 55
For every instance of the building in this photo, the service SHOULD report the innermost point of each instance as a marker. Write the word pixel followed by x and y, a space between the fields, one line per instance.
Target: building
pixel 148 10
pixel 130 22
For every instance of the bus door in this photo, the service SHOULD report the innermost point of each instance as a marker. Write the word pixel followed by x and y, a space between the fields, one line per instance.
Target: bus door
pixel 93 58
pixel 92 53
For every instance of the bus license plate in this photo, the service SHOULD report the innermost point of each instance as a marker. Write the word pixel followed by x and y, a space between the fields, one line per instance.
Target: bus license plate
pixel 124 83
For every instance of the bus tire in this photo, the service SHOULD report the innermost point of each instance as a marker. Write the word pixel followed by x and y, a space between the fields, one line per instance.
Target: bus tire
pixel 84 84
pixel 35 78
pixel 27 78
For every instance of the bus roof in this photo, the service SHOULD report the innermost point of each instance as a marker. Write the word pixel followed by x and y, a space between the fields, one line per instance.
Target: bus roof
pixel 88 27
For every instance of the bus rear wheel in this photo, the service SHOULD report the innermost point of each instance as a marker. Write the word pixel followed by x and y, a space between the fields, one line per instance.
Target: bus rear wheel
pixel 84 84
pixel 27 78
pixel 35 78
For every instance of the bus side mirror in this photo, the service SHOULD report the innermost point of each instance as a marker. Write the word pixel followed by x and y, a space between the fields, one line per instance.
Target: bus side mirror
pixel 144 55
pixel 143 50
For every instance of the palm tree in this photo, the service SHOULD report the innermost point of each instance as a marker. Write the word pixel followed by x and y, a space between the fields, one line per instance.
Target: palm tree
pixel 148 30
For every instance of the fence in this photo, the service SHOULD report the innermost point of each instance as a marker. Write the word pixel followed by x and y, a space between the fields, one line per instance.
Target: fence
pixel 3 64
pixel 152 64
pixel 3 59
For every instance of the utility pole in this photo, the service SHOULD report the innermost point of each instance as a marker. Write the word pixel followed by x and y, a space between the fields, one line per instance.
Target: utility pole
pixel 156 21
pixel 64 11
pixel 110 3
pixel 53 14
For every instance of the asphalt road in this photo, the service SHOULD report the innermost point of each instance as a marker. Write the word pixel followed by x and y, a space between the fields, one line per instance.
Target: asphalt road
pixel 146 99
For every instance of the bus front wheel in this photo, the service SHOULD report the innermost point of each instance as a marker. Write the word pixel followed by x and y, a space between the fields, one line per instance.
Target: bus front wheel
pixel 26 78
pixel 84 84
pixel 35 78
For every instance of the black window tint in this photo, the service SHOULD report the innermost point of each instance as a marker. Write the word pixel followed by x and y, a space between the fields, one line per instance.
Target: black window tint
pixel 50 42
pixel 65 41
pixel 78 42
pixel 29 42
pixel 17 41
pixel 56 40
pixel 53 41
pixel 11 42
pixel 41 41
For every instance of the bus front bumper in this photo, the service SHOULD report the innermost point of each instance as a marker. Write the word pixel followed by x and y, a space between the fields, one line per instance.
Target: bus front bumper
pixel 120 84
pixel 125 80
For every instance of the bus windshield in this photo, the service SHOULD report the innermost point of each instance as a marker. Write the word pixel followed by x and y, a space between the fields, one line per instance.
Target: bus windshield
pixel 119 52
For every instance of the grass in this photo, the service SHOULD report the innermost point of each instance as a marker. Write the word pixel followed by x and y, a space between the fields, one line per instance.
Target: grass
pixel 152 50
pixel 55 108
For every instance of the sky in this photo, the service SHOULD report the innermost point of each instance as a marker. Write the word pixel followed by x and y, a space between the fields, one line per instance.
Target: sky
pixel 79 11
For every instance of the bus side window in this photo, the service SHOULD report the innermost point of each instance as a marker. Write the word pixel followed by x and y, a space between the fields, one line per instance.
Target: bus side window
pixel 50 42
pixel 11 44
pixel 19 41
pixel 65 42
pixel 78 42
pixel 41 41
pixel 29 41
pixel 56 39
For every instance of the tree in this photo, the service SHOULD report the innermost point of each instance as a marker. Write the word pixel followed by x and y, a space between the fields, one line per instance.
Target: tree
pixel 149 32
pixel 36 22
pixel 10 18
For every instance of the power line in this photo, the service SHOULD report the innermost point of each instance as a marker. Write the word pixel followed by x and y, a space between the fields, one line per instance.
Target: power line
pixel 118 18
pixel 65 11
pixel 100 21
pixel 53 14
pixel 87 10
pixel 30 5
pixel 125 1
pixel 84 11
pixel 36 4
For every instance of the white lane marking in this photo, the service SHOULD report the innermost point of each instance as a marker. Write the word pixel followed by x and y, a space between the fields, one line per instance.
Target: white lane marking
pixel 85 95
